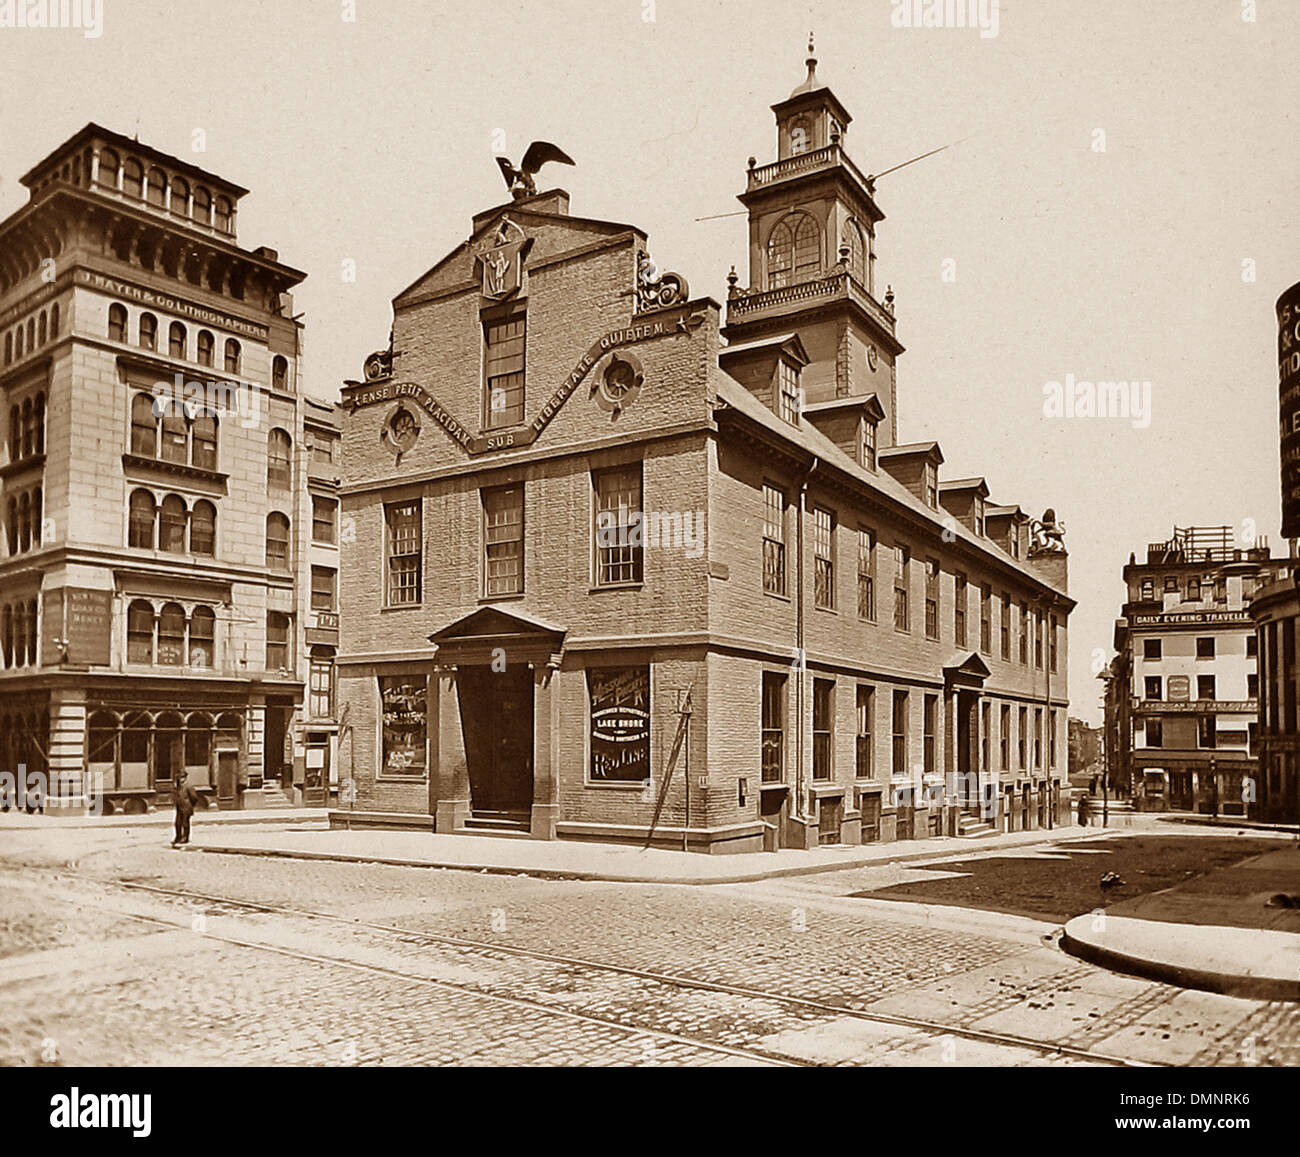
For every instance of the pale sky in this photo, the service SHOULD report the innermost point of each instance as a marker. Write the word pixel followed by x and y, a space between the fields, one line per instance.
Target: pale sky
pixel 373 141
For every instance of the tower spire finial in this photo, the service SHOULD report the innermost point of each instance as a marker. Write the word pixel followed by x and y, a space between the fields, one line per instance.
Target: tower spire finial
pixel 811 62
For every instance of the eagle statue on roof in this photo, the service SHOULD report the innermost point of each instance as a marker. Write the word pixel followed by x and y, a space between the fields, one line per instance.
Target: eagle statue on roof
pixel 520 181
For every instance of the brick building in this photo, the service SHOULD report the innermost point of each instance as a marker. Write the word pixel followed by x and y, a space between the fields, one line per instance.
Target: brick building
pixel 157 491
pixel 1184 701
pixel 639 585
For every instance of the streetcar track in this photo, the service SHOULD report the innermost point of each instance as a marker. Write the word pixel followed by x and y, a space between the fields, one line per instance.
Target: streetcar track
pixel 469 990
pixel 673 980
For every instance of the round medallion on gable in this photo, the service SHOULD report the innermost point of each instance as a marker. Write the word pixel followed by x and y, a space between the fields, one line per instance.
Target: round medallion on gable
pixel 401 428
pixel 619 377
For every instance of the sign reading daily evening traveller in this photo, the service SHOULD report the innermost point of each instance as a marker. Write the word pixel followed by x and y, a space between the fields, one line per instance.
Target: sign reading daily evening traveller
pixel 659 325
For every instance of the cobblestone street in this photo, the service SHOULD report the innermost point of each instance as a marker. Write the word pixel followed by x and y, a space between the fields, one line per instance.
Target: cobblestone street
pixel 102 962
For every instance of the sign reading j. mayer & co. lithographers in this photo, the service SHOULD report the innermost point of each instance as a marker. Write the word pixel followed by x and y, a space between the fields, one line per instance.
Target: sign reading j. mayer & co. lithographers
pixel 165 301
pixel 658 325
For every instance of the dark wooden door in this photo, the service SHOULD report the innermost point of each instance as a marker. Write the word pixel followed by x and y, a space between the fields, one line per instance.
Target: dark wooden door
pixel 496 710
pixel 227 775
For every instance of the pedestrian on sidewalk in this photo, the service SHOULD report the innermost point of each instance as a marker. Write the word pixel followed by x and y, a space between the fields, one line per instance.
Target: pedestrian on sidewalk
pixel 1085 803
pixel 186 799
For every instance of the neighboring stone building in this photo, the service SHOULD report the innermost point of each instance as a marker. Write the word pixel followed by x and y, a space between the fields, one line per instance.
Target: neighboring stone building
pixel 1188 672
pixel 155 488
pixel 610 579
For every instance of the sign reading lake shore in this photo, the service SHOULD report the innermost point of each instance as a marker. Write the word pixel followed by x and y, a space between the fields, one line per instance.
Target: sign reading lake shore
pixel 683 320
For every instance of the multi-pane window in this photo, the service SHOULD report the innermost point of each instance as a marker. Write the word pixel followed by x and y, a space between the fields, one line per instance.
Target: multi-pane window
pixel 324 519
pixel 163 429
pixel 1205 687
pixel 823 727
pixel 1205 648
pixel 619 549
pixel 503 541
pixel 404 552
pixel 867 575
pixel 176 341
pixel 1148 590
pixel 117 323
pixel 505 371
pixel 1151 648
pixel 324 588
pixel 930 745
pixel 1051 738
pixel 902 587
pixel 1004 739
pixel 278 451
pixel 1024 634
pixel 1153 687
pixel 1051 643
pixel 932 598
pixel 1022 739
pixel 959 610
pixel 866 706
pixel 898 736
pixel 148 331
pixel 823 557
pixel 773 540
pixel 277 641
pixel 1193 590
pixel 1039 627
pixel 773 727
pixel 788 388
pixel 205 346
pixel 277 541
pixel 793 251
pixel 232 356
pixel 1005 626
pixel 931 485
pixel 869 444
pixel 1038 737
pixel 986 619
pixel 321 687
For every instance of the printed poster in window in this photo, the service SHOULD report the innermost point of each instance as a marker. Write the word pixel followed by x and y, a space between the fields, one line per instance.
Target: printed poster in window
pixel 620 724
pixel 404 707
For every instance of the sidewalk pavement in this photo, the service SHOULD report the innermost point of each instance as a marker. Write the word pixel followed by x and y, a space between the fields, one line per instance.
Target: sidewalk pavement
pixel 573 860
pixel 1215 932
pixel 21 821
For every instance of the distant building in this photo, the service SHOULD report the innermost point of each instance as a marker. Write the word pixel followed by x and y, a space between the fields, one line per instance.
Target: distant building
pixel 1085 751
pixel 615 580
pixel 170 543
pixel 1184 687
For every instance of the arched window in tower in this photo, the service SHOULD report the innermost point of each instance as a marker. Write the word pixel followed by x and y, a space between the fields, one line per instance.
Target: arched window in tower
pixel 157 188
pixel 202 211
pixel 133 178
pixel 176 340
pixel 148 331
pixel 854 239
pixel 205 346
pixel 108 168
pixel 793 251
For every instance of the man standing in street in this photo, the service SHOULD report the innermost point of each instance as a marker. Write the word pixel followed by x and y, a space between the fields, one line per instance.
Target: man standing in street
pixel 185 798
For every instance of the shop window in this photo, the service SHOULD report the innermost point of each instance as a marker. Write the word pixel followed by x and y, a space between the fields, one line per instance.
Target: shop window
pixel 403 701
pixel 773 727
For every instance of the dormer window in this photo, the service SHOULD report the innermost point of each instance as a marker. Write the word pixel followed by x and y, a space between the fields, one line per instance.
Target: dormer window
pixel 788 389
pixel 979 517
pixel 868 457
pixel 932 486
